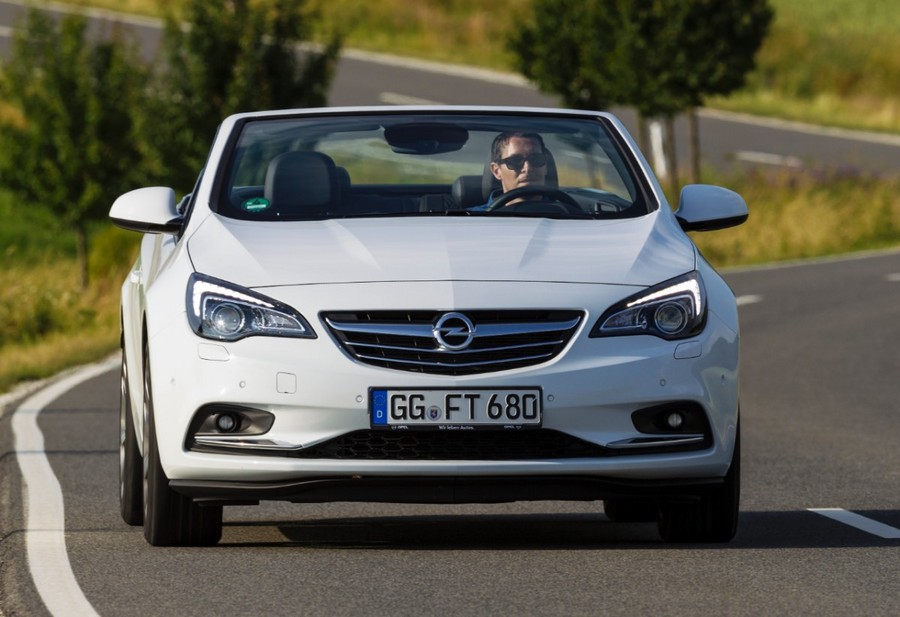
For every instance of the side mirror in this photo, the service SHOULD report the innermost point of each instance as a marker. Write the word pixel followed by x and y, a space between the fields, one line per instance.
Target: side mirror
pixel 703 207
pixel 148 210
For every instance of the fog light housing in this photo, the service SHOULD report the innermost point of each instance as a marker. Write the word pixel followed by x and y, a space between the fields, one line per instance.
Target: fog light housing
pixel 227 422
pixel 221 419
pixel 672 419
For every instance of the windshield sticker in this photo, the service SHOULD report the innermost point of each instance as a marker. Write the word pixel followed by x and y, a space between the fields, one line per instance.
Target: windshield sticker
pixel 256 204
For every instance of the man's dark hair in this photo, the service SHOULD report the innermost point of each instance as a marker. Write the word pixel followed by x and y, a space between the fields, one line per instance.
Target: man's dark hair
pixel 501 140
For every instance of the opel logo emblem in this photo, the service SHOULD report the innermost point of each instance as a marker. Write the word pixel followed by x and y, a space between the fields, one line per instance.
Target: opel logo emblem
pixel 453 331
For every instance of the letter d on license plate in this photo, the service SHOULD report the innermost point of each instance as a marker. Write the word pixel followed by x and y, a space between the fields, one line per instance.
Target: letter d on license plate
pixel 458 408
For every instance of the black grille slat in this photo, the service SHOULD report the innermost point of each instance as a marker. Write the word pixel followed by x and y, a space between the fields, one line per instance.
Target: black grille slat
pixel 487 445
pixel 503 339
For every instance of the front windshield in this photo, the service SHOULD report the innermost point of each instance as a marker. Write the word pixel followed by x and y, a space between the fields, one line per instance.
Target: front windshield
pixel 427 164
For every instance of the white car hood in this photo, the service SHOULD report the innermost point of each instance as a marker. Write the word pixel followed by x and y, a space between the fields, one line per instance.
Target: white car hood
pixel 641 251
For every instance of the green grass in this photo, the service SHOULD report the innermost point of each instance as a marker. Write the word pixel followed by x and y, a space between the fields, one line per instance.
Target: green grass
pixel 803 216
pixel 832 62
pixel 47 322
pixel 842 17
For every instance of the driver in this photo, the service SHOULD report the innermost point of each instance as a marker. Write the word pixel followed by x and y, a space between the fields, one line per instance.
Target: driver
pixel 518 159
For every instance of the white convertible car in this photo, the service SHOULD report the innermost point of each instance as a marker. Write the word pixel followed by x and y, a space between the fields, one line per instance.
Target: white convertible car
pixel 427 305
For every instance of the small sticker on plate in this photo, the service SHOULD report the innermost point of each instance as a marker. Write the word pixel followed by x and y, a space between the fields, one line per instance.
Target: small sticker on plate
pixel 256 204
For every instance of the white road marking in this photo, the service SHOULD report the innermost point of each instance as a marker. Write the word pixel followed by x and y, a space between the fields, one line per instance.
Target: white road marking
pixel 45 537
pixel 766 158
pixel 439 68
pixel 392 98
pixel 749 299
pixel 859 522
pixel 893 278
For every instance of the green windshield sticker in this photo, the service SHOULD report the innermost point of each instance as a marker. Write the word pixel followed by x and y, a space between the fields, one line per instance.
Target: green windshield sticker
pixel 256 204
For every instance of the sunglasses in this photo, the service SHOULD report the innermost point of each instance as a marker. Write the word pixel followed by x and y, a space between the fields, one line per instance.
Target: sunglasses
pixel 517 161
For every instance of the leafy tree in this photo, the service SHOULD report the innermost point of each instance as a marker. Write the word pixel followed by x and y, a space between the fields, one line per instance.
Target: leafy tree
pixel 67 138
pixel 662 57
pixel 559 45
pixel 238 55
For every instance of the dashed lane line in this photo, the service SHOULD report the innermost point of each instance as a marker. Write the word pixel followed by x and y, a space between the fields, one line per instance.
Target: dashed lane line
pixel 748 299
pixel 859 522
pixel 767 158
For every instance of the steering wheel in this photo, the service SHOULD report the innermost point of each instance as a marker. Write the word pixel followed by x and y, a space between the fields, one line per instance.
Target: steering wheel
pixel 546 192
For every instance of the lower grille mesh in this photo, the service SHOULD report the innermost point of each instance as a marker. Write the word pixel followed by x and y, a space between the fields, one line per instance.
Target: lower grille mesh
pixel 454 445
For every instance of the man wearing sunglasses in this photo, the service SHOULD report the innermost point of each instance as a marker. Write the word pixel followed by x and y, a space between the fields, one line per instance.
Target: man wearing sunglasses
pixel 518 159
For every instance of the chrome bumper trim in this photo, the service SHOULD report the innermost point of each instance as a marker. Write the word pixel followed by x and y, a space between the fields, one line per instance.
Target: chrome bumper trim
pixel 637 443
pixel 247 444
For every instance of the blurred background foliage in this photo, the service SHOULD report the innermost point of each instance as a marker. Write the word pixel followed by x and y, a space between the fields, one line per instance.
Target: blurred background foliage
pixel 832 62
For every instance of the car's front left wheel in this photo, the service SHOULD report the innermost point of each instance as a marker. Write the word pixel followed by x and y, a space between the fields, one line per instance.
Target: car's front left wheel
pixel 170 519
pixel 131 497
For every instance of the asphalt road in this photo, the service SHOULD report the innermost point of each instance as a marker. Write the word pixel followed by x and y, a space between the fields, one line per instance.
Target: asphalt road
pixel 820 422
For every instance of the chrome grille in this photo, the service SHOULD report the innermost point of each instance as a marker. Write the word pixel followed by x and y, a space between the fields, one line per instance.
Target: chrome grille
pixel 407 341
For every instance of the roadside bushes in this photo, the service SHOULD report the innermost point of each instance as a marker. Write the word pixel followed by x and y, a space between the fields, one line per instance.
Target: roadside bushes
pixel 809 214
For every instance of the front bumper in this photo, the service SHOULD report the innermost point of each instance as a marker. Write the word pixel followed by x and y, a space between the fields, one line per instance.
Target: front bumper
pixel 317 393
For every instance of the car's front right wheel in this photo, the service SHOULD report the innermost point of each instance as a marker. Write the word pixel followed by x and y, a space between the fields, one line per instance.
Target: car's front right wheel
pixel 713 518
pixel 171 519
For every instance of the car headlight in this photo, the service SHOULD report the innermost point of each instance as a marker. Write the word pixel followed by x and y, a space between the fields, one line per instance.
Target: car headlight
pixel 222 311
pixel 672 310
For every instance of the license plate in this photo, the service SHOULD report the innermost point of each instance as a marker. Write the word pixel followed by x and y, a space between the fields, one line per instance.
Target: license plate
pixel 456 409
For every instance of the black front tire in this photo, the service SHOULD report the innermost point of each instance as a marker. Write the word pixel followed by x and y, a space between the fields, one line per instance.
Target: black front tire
pixel 131 496
pixel 171 519
pixel 714 518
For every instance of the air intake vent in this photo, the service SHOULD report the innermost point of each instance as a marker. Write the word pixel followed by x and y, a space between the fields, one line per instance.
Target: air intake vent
pixel 453 343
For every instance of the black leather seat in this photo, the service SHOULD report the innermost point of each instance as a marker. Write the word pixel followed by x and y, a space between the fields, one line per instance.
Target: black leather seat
pixel 302 184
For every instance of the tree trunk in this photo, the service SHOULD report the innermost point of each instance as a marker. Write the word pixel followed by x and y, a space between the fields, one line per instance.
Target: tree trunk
pixel 670 152
pixel 643 136
pixel 82 246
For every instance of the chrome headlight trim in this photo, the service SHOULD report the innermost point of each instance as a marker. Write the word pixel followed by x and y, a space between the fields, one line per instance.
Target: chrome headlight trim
pixel 222 311
pixel 672 310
